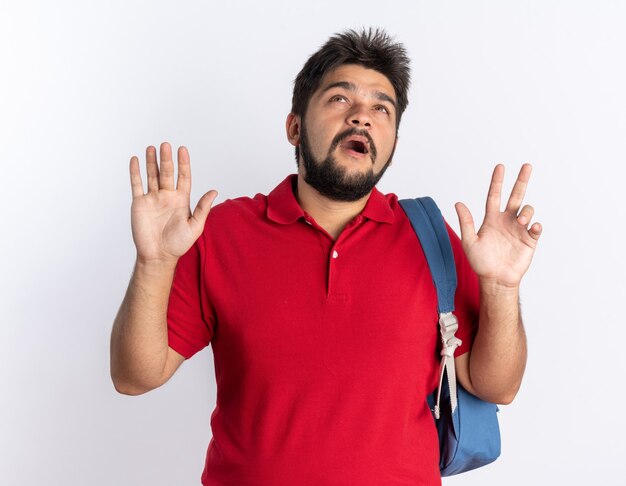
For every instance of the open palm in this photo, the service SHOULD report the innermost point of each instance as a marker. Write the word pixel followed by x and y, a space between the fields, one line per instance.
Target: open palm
pixel 163 225
pixel 504 246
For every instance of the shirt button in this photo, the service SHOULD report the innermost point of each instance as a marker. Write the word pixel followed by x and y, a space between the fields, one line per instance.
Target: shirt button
pixel 335 254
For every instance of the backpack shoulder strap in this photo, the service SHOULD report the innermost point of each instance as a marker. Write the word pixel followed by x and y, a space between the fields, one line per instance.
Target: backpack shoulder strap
pixel 429 225
pixel 431 231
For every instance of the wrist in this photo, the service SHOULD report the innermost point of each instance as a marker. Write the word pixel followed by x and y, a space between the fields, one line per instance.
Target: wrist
pixel 491 287
pixel 155 265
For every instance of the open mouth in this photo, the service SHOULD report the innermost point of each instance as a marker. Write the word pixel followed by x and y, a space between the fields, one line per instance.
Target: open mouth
pixel 356 146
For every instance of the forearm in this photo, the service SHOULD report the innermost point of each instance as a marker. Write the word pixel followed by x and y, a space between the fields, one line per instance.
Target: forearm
pixel 498 356
pixel 139 344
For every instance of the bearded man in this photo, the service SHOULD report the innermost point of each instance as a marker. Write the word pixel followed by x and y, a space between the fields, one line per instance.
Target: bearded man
pixel 316 298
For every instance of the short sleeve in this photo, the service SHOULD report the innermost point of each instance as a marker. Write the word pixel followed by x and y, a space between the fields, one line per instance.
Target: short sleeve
pixel 189 317
pixel 467 296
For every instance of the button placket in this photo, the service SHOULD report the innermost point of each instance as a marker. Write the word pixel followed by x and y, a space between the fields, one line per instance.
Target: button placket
pixel 332 270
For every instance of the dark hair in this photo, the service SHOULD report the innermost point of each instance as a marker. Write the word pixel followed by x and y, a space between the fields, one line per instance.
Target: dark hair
pixel 373 49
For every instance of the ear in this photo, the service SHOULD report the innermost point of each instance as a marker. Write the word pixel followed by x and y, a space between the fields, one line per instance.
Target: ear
pixel 292 126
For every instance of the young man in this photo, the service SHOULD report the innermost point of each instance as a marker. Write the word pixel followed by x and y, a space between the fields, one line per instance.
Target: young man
pixel 317 298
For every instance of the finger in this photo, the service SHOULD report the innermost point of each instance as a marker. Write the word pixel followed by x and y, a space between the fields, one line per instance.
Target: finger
pixel 152 169
pixel 525 215
pixel 519 189
pixel 166 177
pixel 535 231
pixel 466 223
pixel 494 196
pixel 184 170
pixel 202 209
pixel 135 177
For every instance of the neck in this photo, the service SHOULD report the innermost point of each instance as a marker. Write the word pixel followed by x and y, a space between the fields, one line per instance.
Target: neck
pixel 331 215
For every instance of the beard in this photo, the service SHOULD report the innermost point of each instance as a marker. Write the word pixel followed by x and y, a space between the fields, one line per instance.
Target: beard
pixel 330 179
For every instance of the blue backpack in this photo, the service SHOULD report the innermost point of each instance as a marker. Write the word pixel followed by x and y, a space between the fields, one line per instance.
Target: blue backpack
pixel 469 435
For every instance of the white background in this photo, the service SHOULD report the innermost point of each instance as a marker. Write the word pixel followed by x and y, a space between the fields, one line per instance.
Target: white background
pixel 85 85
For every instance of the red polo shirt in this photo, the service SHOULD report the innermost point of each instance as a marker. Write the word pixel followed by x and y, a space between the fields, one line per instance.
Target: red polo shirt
pixel 324 349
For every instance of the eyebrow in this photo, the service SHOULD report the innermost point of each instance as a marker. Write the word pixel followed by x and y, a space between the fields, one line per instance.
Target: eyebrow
pixel 347 85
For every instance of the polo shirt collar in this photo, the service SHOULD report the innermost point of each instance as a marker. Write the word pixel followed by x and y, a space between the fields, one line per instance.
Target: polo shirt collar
pixel 283 207
pixel 377 208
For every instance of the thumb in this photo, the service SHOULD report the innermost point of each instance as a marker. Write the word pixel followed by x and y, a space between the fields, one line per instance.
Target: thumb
pixel 466 223
pixel 202 209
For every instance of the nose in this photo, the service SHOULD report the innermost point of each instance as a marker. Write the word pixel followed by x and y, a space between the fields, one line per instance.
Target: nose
pixel 359 117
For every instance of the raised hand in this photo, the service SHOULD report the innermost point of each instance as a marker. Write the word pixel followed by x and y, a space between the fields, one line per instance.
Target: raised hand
pixel 501 252
pixel 162 223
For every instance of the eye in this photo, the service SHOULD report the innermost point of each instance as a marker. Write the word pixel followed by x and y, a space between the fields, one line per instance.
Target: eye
pixel 382 109
pixel 338 98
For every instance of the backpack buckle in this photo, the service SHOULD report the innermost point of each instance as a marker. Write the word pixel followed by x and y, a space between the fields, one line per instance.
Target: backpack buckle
pixel 448 323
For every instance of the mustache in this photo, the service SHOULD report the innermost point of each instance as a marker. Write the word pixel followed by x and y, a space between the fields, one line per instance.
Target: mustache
pixel 352 132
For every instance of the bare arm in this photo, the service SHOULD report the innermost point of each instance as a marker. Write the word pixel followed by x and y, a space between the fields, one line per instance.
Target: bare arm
pixel 500 254
pixel 141 359
pixel 163 230
pixel 498 356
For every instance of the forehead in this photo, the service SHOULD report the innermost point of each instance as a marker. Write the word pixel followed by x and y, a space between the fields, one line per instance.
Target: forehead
pixel 367 81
